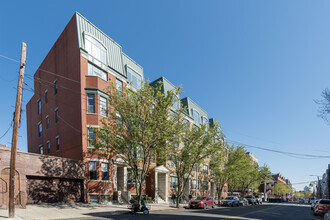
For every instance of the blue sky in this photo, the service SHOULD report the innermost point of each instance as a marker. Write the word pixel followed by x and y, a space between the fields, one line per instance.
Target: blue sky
pixel 255 66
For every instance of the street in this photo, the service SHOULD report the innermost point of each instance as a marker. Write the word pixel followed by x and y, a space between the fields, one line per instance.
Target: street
pixel 264 211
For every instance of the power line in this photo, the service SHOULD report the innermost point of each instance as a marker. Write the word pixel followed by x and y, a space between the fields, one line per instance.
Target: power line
pixel 8 58
pixel 6 131
pixel 296 155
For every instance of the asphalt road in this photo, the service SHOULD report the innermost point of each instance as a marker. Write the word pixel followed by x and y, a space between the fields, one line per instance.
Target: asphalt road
pixel 281 211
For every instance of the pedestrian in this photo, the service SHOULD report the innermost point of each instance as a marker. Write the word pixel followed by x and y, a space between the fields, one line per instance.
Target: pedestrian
pixel 173 198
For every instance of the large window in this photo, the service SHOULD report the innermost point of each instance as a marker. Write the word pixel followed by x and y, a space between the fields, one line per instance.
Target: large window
pixel 194 184
pixel 173 161
pixel 39 107
pixel 94 71
pixel 119 85
pixel 195 116
pixel 205 185
pixel 40 129
pixel 173 182
pixel 134 78
pixel 205 121
pixel 90 103
pixel 205 169
pixel 91 137
pixel 130 177
pixel 103 106
pixel 92 170
pixel 95 48
pixel 105 171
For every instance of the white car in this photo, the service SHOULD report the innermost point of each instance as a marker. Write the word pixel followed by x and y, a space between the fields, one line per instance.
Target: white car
pixel 230 201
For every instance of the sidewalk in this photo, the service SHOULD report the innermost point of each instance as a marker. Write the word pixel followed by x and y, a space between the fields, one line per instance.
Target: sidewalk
pixel 72 210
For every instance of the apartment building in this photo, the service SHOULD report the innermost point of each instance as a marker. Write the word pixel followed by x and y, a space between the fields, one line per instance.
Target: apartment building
pixel 70 98
pixel 199 182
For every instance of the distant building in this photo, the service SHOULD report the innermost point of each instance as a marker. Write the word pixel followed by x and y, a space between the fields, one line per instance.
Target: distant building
pixel 254 157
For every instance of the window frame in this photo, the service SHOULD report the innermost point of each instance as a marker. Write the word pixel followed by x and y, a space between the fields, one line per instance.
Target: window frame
pixel 40 129
pixel 39 106
pixel 41 149
pixel 130 79
pixel 95 44
pixel 173 184
pixel 89 95
pixel 193 110
pixel 56 115
pixel 103 111
pixel 89 136
pixel 55 87
pixel 57 143
pixel 105 177
pixel 205 171
pixel 92 171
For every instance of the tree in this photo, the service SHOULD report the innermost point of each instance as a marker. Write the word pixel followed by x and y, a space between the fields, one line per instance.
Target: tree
pixel 324 105
pixel 281 188
pixel 199 143
pixel 265 175
pixel 219 166
pixel 243 173
pixel 136 127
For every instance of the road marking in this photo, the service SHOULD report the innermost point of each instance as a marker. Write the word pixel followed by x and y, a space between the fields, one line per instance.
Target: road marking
pixel 261 210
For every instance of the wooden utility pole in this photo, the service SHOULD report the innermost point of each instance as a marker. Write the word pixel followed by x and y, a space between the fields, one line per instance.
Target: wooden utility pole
pixel 15 133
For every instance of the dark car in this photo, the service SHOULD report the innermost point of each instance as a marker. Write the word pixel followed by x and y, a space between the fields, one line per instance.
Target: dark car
pixel 252 200
pixel 202 202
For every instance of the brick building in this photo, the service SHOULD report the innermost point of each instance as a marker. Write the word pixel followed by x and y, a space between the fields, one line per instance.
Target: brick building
pixel 47 179
pixel 70 98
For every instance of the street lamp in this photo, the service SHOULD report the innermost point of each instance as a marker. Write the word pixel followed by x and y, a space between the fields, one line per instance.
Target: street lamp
pixel 319 186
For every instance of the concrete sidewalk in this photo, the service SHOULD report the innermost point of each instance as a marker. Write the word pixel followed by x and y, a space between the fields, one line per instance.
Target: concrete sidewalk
pixel 72 210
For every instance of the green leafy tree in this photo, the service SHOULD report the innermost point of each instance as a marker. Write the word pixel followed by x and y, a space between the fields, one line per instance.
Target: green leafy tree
pixel 199 143
pixel 265 175
pixel 281 189
pixel 242 172
pixel 136 127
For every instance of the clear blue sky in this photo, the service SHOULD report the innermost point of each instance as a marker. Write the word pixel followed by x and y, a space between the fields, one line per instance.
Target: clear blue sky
pixel 255 66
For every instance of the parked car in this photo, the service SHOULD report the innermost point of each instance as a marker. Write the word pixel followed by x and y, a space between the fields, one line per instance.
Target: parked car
pixel 243 202
pixel 314 204
pixel 230 201
pixel 252 200
pixel 322 207
pixel 311 200
pixel 202 202
pixel 259 199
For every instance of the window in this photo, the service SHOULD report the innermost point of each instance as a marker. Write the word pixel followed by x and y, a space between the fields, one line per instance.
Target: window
pixel 194 184
pixel 134 78
pixel 105 171
pixel 48 147
pixel 57 143
pixel 152 157
pixel 93 198
pixel 92 170
pixel 40 129
pixel 119 85
pixel 205 169
pixel 95 48
pixel 212 171
pixel 103 106
pixel 176 103
pixel 205 121
pixel 173 182
pixel 90 103
pixel 91 137
pixel 55 87
pixel 139 152
pixel 195 116
pixel 173 161
pixel 95 71
pixel 130 177
pixel 105 198
pixel 205 185
pixel 41 149
pixel 39 106
pixel 119 121
pixel 46 96
pixel 56 115
pixel 47 122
